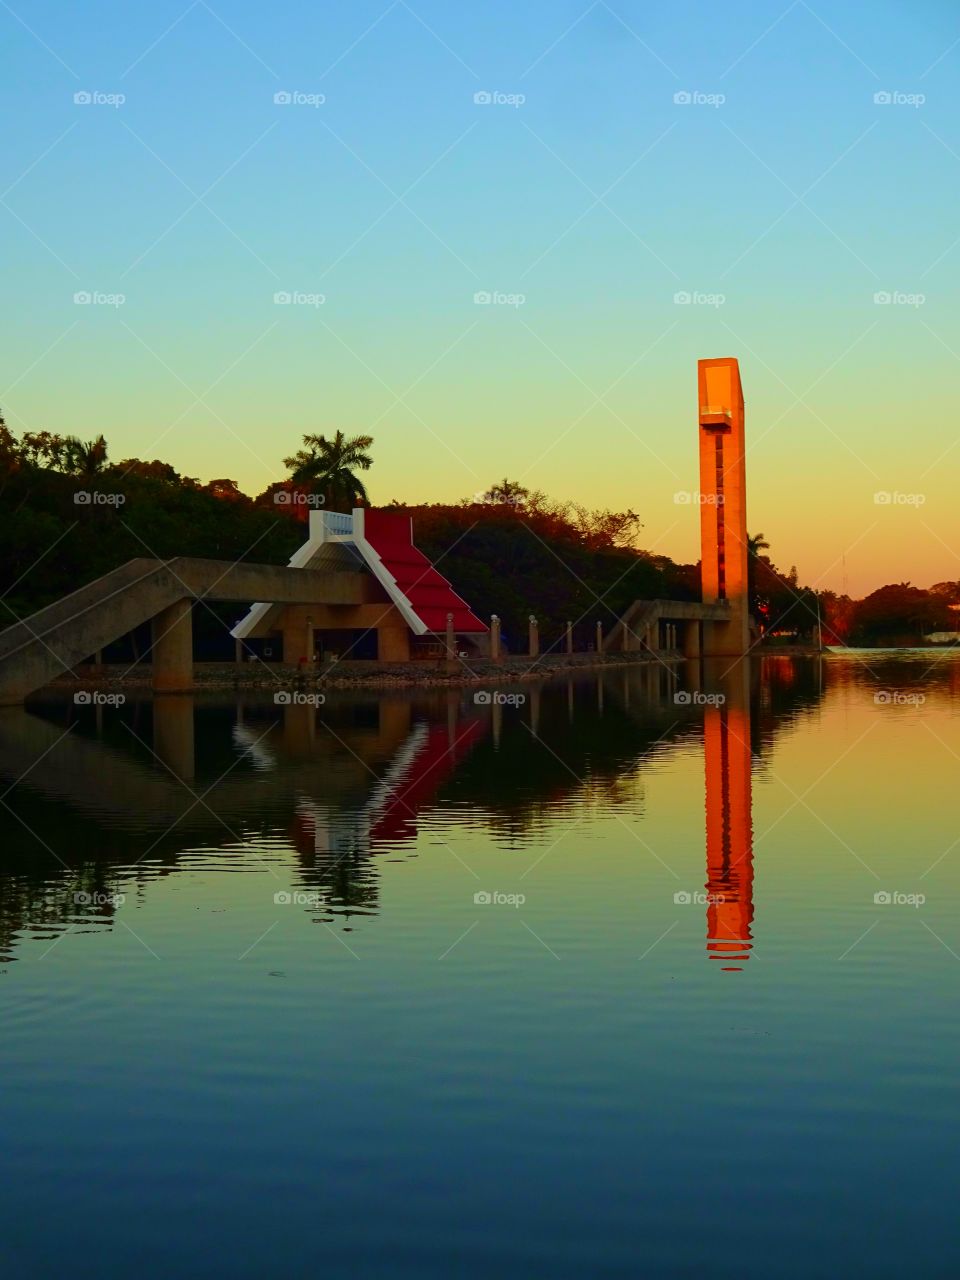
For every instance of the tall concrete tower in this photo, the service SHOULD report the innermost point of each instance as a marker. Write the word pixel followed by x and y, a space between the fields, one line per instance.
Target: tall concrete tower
pixel 723 504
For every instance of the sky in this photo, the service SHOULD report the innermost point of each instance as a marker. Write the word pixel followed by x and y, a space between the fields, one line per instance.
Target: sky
pixel 497 238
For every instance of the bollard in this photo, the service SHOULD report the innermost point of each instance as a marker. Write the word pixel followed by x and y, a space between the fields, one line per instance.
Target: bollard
pixel 495 637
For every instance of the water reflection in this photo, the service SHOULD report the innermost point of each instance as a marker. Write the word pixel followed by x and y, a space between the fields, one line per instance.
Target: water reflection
pixel 728 765
pixel 104 803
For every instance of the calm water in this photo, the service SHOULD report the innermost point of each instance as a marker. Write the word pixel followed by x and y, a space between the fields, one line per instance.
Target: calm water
pixel 411 985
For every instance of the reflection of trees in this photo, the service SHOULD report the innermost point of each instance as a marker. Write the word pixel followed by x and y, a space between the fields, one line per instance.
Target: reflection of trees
pixel 342 787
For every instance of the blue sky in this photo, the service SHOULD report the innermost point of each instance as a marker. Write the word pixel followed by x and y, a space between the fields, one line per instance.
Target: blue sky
pixel 782 198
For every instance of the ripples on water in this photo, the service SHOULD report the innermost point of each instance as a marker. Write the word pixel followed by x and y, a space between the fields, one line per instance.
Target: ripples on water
pixel 616 982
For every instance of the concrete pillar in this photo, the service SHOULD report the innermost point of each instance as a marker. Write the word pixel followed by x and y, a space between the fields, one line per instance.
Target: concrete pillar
pixel 691 639
pixel 172 650
pixel 599 636
pixel 569 637
pixel 495 651
pixel 534 637
pixel 297 636
pixel 393 644
pixel 238 652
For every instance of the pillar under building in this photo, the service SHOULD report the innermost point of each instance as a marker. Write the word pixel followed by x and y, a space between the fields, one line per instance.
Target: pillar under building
pixel 723 505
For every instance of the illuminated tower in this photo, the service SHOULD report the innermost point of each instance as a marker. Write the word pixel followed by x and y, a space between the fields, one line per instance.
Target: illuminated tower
pixel 723 505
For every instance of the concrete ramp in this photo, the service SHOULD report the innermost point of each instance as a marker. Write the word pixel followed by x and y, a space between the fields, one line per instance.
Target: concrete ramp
pixel 53 640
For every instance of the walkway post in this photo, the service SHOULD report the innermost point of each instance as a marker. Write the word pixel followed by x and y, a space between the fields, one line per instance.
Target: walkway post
pixel 534 637
pixel 451 644
pixel 569 637
pixel 599 636
pixel 495 637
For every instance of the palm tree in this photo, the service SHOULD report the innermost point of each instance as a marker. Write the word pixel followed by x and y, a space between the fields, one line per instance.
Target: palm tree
pixel 84 460
pixel 756 543
pixel 329 467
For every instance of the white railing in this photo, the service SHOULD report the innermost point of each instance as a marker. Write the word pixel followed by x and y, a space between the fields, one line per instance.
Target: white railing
pixel 337 524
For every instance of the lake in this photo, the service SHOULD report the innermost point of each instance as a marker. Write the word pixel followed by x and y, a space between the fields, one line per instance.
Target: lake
pixel 641 973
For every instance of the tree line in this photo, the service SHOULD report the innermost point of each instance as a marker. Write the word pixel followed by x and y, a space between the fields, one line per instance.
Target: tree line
pixel 68 515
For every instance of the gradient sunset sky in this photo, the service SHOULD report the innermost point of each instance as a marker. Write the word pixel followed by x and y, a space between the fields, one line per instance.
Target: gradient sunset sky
pixel 782 197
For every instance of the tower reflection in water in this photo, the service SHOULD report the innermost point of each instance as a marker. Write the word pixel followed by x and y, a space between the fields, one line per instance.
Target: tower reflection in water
pixel 727 764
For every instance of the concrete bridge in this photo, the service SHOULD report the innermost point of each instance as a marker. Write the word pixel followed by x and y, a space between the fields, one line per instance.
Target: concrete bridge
pixel 651 625
pixel 43 646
